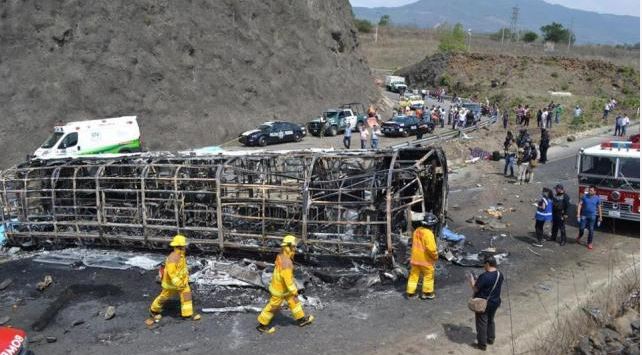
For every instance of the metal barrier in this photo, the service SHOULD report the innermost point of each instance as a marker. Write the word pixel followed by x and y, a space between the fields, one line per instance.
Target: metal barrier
pixel 445 136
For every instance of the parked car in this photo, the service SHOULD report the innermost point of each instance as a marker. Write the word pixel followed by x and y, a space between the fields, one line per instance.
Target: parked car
pixel 405 126
pixel 272 133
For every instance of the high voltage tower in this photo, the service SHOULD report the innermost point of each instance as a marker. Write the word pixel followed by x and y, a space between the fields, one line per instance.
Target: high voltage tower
pixel 513 22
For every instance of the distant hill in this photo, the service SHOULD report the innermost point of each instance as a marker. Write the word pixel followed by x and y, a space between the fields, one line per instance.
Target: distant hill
pixel 491 15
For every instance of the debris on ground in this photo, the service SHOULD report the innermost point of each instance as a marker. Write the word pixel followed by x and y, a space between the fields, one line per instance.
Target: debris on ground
pixel 4 284
pixel 13 250
pixel 46 282
pixel 51 339
pixel 104 259
pixel 238 309
pixel 478 153
pixel 496 211
pixel 110 312
pixel 4 320
pixel 77 322
pixel 451 236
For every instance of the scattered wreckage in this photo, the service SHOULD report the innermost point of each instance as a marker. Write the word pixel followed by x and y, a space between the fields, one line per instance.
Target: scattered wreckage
pixel 340 203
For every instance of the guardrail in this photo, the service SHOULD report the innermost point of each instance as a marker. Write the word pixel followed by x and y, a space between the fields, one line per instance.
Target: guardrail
pixel 445 136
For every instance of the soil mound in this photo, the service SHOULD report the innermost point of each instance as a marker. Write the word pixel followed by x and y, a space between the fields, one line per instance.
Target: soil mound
pixel 195 72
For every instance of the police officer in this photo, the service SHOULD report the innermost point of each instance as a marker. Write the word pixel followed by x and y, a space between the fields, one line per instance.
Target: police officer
pixel 561 204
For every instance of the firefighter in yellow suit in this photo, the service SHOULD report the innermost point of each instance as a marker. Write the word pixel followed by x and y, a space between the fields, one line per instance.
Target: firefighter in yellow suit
pixel 283 289
pixel 423 257
pixel 175 281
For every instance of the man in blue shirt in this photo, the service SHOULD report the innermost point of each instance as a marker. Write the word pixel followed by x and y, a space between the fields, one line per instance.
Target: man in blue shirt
pixel 588 208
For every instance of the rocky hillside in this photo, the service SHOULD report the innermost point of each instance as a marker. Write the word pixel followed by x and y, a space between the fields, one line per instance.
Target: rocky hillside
pixel 195 72
pixel 510 80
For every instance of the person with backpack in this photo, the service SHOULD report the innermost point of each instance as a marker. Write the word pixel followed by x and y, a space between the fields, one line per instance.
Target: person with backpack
pixel 561 205
pixel 543 214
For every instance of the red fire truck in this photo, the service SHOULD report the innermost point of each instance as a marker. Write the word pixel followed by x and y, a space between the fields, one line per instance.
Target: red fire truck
pixel 614 168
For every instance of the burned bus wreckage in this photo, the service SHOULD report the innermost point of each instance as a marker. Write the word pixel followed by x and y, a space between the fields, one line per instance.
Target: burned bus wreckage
pixel 339 203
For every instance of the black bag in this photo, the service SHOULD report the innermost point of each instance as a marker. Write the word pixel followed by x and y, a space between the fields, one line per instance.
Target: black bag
pixel 496 156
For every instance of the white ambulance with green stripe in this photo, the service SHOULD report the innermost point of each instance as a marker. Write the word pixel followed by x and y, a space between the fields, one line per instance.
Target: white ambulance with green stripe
pixel 117 135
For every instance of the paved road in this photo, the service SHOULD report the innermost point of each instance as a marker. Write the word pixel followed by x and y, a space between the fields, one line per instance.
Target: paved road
pixel 376 320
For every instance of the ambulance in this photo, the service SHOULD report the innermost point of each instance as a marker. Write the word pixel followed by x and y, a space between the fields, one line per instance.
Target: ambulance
pixel 110 135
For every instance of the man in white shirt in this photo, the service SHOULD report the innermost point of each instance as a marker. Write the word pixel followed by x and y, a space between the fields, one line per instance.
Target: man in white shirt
pixel 625 123
pixel 607 108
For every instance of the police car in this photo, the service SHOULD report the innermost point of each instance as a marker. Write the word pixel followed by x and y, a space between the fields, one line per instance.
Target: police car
pixel 273 132
pixel 405 126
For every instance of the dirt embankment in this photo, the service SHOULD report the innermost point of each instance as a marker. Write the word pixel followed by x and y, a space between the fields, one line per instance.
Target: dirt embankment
pixel 196 72
pixel 511 80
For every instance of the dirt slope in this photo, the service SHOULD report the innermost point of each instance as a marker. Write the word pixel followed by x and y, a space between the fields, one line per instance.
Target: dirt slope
pixel 510 80
pixel 196 72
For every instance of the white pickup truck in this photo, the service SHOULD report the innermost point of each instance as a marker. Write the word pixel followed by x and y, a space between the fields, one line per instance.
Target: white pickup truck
pixel 395 83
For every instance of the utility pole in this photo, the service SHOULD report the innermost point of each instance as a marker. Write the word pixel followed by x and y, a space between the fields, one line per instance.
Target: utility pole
pixel 513 21
pixel 376 31
pixel 470 37
pixel 503 29
pixel 570 34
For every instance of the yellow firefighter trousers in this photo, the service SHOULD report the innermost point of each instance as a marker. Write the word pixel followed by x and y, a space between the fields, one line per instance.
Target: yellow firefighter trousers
pixel 185 296
pixel 413 278
pixel 275 305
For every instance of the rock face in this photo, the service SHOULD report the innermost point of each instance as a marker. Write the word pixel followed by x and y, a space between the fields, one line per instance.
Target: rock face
pixel 196 72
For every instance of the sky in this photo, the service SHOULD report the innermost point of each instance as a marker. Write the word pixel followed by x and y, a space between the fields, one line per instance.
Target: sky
pixel 618 7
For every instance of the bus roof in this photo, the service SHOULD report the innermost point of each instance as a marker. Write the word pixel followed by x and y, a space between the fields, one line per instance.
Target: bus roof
pixel 614 149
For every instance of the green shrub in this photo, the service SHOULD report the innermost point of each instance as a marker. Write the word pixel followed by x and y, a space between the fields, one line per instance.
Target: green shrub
pixel 445 80
pixel 554 75
pixel 363 26
pixel 529 37
pixel 564 86
pixel 453 40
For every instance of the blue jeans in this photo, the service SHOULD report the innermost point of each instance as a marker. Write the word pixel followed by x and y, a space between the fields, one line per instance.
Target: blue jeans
pixel 346 141
pixel 510 162
pixel 374 143
pixel 587 222
pixel 363 144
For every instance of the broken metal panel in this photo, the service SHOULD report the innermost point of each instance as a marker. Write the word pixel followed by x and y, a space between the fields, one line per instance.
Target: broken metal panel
pixel 340 203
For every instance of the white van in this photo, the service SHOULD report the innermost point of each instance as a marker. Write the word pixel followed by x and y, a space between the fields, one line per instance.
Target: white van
pixel 109 135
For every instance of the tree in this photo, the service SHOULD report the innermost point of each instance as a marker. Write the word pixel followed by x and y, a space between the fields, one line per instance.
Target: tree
pixel 556 33
pixel 453 40
pixel 529 37
pixel 363 26
pixel 507 34
pixel 384 20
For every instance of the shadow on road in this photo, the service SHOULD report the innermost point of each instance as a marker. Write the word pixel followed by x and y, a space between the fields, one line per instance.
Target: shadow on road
pixel 458 333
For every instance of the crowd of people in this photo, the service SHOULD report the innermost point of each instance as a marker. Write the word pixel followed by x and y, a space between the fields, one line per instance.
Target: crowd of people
pixel 523 152
pixel 554 207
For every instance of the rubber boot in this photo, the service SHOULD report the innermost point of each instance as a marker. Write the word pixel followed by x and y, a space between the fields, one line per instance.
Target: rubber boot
pixel 305 321
pixel 427 296
pixel 265 329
